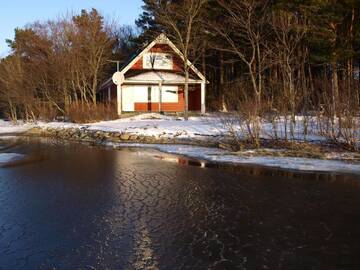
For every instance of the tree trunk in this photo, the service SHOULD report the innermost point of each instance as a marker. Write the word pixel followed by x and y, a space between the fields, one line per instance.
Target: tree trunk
pixel 335 87
pixel 186 93
pixel 221 84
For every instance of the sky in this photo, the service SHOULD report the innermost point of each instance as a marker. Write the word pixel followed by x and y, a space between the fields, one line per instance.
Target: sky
pixel 18 13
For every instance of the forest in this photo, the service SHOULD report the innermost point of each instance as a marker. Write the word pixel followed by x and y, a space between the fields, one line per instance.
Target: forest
pixel 264 59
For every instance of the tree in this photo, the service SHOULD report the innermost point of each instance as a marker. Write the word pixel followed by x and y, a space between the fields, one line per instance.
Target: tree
pixel 148 22
pixel 181 20
pixel 243 28
pixel 92 46
pixel 54 64
pixel 289 29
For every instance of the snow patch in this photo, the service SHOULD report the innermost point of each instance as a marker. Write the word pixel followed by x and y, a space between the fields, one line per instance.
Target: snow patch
pixel 159 125
pixel 223 156
pixel 7 127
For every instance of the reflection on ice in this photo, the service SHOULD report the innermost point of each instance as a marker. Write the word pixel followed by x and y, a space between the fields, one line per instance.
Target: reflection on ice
pixel 181 160
pixel 9 157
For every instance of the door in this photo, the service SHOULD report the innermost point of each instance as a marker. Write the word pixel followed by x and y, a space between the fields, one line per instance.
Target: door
pixel 149 99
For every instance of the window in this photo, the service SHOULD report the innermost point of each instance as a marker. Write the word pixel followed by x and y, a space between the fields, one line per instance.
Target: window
pixel 170 94
pixel 158 61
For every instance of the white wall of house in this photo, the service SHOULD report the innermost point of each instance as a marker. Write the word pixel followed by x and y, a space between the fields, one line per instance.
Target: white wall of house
pixel 132 94
pixel 169 94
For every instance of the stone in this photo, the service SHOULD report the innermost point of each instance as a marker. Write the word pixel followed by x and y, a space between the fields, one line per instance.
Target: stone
pixel 125 137
pixel 133 137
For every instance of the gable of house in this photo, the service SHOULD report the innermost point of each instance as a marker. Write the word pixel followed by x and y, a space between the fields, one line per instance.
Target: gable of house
pixel 162 55
pixel 159 57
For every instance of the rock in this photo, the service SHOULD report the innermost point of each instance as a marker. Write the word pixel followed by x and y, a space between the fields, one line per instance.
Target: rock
pixel 133 137
pixel 35 131
pixel 125 137
pixel 151 139
pixel 106 134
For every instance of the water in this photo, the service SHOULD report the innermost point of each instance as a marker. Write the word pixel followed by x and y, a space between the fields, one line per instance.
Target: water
pixel 76 206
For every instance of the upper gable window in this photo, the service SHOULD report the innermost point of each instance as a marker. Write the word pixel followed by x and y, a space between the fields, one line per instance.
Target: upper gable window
pixel 158 61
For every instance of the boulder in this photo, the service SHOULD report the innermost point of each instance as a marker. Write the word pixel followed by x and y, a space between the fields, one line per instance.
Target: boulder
pixel 125 137
pixel 133 138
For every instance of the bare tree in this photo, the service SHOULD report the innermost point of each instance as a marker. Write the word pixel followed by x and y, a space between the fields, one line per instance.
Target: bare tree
pixel 289 30
pixel 243 29
pixel 92 46
pixel 55 63
pixel 182 20
pixel 10 82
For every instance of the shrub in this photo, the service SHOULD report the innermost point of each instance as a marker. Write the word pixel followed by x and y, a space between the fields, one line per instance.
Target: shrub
pixel 91 113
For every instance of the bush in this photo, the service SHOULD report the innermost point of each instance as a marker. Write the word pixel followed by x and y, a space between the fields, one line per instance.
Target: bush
pixel 92 113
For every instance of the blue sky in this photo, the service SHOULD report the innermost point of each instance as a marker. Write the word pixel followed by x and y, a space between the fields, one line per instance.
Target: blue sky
pixel 17 13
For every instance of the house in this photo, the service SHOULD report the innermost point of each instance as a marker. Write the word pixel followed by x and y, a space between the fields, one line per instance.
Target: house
pixel 154 81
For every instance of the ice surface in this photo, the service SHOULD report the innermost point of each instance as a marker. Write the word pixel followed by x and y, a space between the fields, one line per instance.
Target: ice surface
pixel 8 157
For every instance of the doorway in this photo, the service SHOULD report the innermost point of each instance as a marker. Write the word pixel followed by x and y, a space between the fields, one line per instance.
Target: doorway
pixel 149 98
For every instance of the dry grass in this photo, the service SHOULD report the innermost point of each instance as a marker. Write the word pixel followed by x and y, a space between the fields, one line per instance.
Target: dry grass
pixel 91 113
pixel 277 148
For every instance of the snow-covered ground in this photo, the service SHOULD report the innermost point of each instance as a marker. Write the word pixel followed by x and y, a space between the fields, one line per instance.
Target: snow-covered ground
pixel 7 127
pixel 198 128
pixel 153 124
pixel 146 124
pixel 162 126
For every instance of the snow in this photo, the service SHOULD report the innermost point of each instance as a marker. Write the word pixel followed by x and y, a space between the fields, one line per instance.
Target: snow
pixel 58 125
pixel 159 125
pixel 153 124
pixel 7 127
pixel 223 156
pixel 150 124
pixel 268 129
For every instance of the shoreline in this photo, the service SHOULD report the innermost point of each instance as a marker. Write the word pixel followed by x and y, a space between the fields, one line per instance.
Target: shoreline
pixel 275 148
pixel 206 149
pixel 99 136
